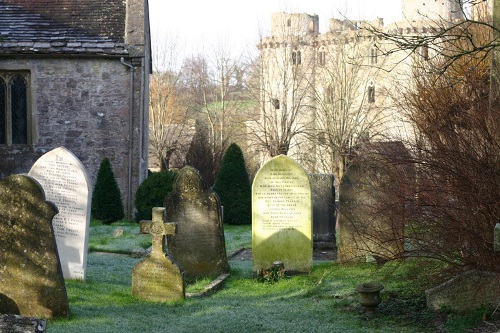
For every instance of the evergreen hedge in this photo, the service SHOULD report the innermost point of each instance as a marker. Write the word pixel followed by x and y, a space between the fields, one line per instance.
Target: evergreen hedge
pixel 107 203
pixel 233 187
pixel 152 192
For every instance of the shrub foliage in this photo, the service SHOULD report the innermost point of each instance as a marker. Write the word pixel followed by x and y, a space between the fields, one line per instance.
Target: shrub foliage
pixel 152 192
pixel 233 187
pixel 107 203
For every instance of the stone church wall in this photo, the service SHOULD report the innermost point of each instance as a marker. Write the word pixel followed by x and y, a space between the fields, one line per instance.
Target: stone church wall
pixel 83 105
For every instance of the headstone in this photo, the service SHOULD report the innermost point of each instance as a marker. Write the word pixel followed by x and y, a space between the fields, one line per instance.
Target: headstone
pixel 465 292
pixel 65 182
pixel 282 216
pixel 31 279
pixel 157 277
pixel 323 200
pixel 19 324
pixel 497 238
pixel 370 224
pixel 199 244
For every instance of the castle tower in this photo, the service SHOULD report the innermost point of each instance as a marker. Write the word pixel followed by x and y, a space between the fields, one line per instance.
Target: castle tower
pixel 418 10
pixel 285 24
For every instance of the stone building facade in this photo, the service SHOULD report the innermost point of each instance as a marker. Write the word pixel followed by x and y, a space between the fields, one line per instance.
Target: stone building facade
pixel 76 74
pixel 302 69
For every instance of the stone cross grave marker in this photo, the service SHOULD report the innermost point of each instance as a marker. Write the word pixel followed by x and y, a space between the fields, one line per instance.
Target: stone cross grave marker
pixel 282 216
pixel 157 277
pixel 65 182
pixel 199 244
pixel 31 280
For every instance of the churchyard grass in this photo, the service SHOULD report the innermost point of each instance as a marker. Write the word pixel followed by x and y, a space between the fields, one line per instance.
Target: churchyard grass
pixel 322 301
pixel 102 239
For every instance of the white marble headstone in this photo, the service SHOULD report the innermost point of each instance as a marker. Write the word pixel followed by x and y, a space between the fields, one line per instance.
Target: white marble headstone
pixel 65 182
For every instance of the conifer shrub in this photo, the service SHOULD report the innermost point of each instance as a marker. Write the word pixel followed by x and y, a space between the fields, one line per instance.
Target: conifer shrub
pixel 107 203
pixel 152 192
pixel 233 187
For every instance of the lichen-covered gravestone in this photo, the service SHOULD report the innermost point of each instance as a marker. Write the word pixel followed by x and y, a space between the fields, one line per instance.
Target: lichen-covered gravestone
pixel 282 216
pixel 31 279
pixel 199 245
pixel 65 182
pixel 157 277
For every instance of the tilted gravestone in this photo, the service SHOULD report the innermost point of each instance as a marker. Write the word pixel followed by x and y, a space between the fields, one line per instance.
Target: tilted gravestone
pixel 199 245
pixel 31 279
pixel 65 182
pixel 323 197
pixel 282 216
pixel 157 277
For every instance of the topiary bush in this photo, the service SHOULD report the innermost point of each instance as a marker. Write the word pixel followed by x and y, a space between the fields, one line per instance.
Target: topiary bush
pixel 152 192
pixel 233 187
pixel 107 203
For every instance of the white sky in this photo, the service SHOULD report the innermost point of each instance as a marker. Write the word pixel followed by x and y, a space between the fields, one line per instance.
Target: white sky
pixel 204 24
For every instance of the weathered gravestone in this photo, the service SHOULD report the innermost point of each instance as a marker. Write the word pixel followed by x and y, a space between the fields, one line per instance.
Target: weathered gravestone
pixel 323 198
pixel 65 182
pixel 31 280
pixel 371 212
pixel 282 216
pixel 199 244
pixel 157 277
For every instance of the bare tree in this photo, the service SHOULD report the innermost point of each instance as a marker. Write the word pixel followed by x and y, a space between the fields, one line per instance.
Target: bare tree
pixel 282 84
pixel 456 154
pixel 169 136
pixel 351 103
pixel 214 84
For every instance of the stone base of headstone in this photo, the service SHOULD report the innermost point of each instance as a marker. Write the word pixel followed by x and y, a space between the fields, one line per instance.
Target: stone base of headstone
pixel 465 292
pixel 13 323
pixel 211 288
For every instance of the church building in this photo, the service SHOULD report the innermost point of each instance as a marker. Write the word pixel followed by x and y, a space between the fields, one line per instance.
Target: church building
pixel 76 74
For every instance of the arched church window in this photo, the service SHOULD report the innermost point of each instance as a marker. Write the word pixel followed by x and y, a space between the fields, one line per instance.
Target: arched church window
pixel 14 104
pixel 3 101
pixel 19 110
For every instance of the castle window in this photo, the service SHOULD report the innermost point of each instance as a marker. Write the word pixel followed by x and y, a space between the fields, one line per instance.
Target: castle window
pixel 289 23
pixel 276 103
pixel 424 52
pixel 322 58
pixel 296 58
pixel 13 108
pixel 371 93
pixel 329 94
pixel 373 55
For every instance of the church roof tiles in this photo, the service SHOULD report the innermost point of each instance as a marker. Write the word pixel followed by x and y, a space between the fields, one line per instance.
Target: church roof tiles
pixel 90 27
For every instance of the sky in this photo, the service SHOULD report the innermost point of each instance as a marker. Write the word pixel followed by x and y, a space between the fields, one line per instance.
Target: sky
pixel 198 25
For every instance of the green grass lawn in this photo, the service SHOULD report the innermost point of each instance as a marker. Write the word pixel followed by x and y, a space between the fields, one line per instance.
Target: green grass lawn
pixel 322 301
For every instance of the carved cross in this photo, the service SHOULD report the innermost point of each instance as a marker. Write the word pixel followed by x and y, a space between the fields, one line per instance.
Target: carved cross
pixel 158 229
